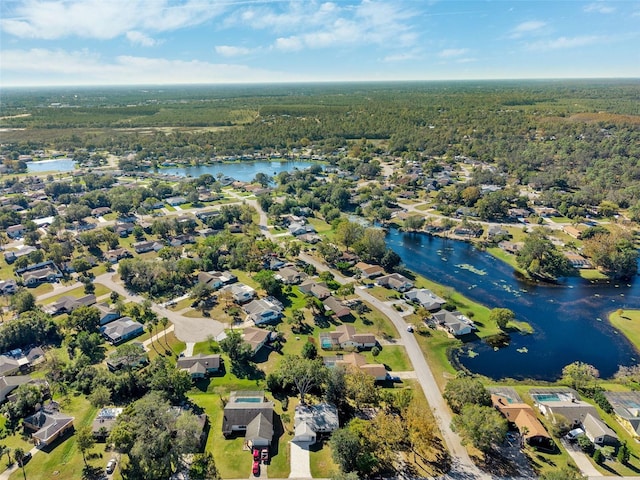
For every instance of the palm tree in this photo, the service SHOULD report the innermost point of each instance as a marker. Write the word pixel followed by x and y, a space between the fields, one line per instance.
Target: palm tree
pixel 18 454
pixel 165 321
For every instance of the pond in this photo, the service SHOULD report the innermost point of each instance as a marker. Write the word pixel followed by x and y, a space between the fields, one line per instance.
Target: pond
pixel 244 171
pixel 569 319
pixel 56 165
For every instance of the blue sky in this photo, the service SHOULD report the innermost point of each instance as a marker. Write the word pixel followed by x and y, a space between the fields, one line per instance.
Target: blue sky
pixel 101 42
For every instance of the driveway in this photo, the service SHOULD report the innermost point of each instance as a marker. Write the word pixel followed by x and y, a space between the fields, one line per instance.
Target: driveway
pixel 581 459
pixel 299 457
pixel 187 329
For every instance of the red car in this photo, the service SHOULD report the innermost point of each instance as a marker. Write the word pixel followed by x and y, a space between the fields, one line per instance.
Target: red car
pixel 256 467
pixel 256 454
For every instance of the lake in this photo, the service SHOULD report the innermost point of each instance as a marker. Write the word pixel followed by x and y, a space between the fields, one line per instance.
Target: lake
pixel 56 165
pixel 244 171
pixel 569 319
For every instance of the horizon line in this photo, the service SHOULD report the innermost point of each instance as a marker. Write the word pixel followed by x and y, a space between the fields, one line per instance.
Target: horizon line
pixel 315 82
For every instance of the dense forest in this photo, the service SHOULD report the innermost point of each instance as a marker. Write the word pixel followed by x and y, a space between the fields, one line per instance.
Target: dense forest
pixel 556 136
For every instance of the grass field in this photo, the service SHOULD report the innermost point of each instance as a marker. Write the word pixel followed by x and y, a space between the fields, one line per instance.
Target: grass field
pixel 628 322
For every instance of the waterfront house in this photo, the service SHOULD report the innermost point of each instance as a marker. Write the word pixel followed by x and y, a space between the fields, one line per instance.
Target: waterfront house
pixel 455 323
pixel 425 298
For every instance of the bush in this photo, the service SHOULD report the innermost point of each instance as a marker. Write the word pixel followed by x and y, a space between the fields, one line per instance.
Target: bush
pixel 585 444
pixel 375 351
pixel 598 457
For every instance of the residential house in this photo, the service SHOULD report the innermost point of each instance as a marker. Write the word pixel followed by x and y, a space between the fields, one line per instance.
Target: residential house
pixel 180 240
pixel 356 360
pixel 599 432
pixel 104 422
pixel 455 323
pixel 311 420
pixel 496 231
pixel 116 362
pixel 199 366
pixel 297 229
pixel 241 293
pixel 100 211
pixel 425 298
pixel 22 251
pixel 68 304
pixel 48 424
pixel 45 273
pixel 369 271
pixel 264 311
pixel 564 402
pixel 626 406
pixel 8 287
pixel 396 281
pixel 577 260
pixel 8 365
pixel 216 280
pixel 256 338
pixel 117 254
pixel 332 304
pixel 124 229
pixel 173 201
pixel 107 314
pixel 147 246
pixel 9 384
pixel 511 247
pixel 524 418
pixel 251 413
pixel 290 276
pixel 121 330
pixel 574 230
pixel 16 231
pixel 317 289
pixel 273 263
pixel 311 238
pixel 345 336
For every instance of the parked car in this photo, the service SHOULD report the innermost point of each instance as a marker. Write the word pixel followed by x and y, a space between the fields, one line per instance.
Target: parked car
pixel 256 454
pixel 111 466
pixel 25 458
pixel 410 328
pixel 264 454
pixel 256 467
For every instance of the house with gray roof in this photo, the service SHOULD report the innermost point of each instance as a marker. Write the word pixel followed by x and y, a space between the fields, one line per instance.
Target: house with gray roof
pixel 68 304
pixel 121 330
pixel 9 384
pixel 199 366
pixel 47 425
pixel 250 413
pixel 425 298
pixel 599 432
pixel 395 281
pixel 455 323
pixel 264 311
pixel 317 289
pixel 311 420
pixel 8 365
pixel 626 406
pixel 332 304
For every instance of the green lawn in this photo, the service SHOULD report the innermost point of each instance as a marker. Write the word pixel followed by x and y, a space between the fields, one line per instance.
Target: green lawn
pixel 392 356
pixel 628 322
pixel 64 457
pixel 321 461
pixel 231 460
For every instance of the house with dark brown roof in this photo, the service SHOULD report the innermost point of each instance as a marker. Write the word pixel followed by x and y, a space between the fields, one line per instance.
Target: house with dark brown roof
pixel 317 289
pixel 332 304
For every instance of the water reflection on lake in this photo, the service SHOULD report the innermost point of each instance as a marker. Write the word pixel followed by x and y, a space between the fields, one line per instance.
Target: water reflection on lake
pixel 57 165
pixel 567 318
pixel 244 171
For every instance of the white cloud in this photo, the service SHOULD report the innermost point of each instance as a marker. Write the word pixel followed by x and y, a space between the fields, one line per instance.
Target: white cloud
pixel 566 42
pixel 100 19
pixel 401 57
pixel 452 52
pixel 232 51
pixel 82 67
pixel 301 25
pixel 598 7
pixel 139 38
pixel 527 28
pixel 290 44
